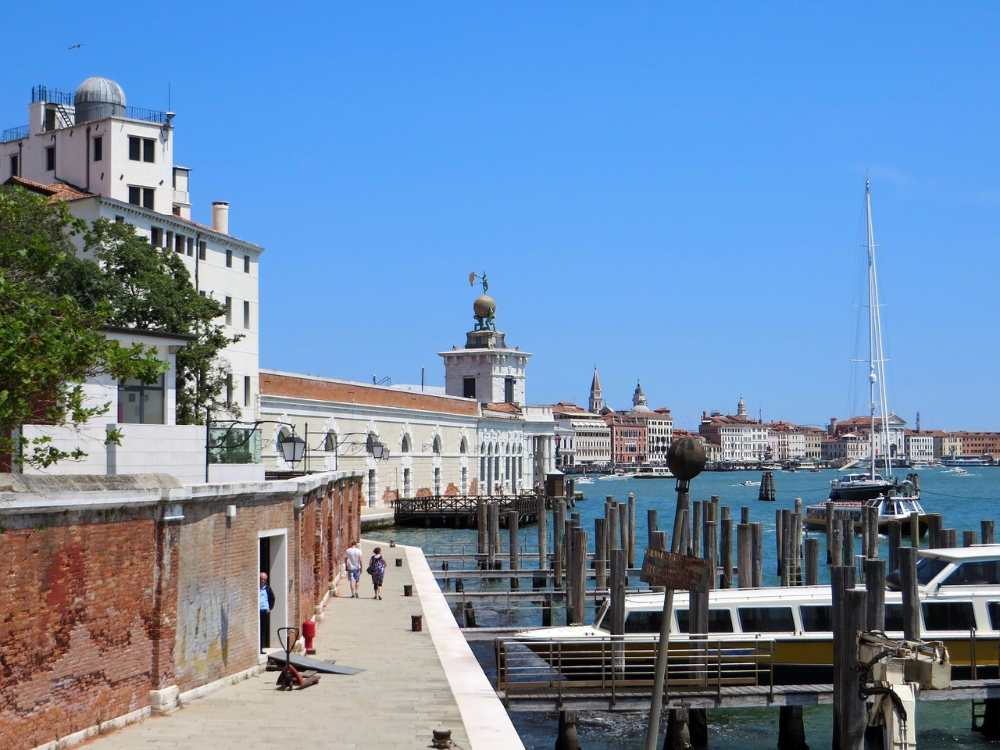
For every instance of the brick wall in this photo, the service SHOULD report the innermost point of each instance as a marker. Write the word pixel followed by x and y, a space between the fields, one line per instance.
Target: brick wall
pixel 100 607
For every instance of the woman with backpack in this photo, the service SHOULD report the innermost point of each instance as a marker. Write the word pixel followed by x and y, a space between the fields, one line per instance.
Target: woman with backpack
pixel 376 569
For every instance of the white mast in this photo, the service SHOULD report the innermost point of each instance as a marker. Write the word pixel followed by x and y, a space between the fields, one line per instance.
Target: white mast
pixel 876 353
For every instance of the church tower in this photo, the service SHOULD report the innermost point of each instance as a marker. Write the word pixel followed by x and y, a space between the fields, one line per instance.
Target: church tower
pixel 596 403
pixel 741 408
pixel 485 369
pixel 639 402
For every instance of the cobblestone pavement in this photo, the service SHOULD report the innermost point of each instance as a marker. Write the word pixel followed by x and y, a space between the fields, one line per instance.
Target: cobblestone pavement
pixel 396 703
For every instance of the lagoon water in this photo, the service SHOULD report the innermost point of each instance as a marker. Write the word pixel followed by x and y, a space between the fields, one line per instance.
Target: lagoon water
pixel 963 500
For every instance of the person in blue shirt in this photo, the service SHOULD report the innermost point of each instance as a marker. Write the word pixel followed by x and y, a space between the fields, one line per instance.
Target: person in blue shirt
pixel 265 599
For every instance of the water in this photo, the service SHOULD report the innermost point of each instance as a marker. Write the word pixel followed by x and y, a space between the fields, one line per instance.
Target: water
pixel 963 501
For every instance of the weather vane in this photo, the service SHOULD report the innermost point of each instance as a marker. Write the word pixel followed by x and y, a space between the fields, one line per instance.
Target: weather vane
pixel 485 307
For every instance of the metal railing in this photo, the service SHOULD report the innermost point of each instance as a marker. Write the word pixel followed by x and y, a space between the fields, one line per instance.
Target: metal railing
pixel 233 446
pixel 49 95
pixel 618 665
pixel 15 134
pixel 523 503
pixel 143 113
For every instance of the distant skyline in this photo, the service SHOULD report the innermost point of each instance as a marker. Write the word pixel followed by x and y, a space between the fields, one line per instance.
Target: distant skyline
pixel 674 195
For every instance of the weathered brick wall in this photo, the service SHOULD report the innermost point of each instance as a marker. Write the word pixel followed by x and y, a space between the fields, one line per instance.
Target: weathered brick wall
pixel 99 607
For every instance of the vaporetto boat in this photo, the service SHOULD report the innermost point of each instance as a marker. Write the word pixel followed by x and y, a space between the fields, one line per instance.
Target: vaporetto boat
pixel 959 591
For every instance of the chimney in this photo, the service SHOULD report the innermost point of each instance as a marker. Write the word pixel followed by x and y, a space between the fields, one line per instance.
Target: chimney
pixel 220 216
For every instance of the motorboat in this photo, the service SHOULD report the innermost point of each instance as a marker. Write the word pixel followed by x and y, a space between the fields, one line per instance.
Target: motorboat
pixel 653 472
pixel 961 461
pixel 959 591
pixel 750 483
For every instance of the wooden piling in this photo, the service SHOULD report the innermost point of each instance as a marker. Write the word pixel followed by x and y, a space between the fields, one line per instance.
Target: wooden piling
pixel 744 566
pixel 650 525
pixel 908 586
pixel 611 527
pixel 745 514
pixel 481 528
pixel 847 536
pixel 631 536
pixel 726 544
pixel 895 542
pixel 987 535
pixel 623 528
pixel 839 577
pixel 949 538
pixel 934 523
pixel 968 538
pixel 915 529
pixel 829 531
pixel 836 543
pixel 711 549
pixel 757 554
pixel 558 526
pixel 697 520
pixel 543 533
pixel 779 549
pixel 567 739
pixel 600 554
pixel 875 586
pixel 514 547
pixel 796 547
pixel 812 561
pixel 496 532
pixel 579 564
pixel 617 612
pixel 853 714
pixel 791 732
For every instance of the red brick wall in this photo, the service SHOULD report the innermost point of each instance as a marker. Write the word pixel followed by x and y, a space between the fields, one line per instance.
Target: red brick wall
pixel 100 607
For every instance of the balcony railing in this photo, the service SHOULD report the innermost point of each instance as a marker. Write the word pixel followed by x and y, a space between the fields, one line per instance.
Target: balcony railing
pixel 42 93
pixel 233 445
pixel 14 134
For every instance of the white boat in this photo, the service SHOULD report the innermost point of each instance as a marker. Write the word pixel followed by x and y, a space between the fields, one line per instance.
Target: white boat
pixel 653 472
pixel 585 480
pixel 876 487
pixel 959 590
pixel 966 461
pixel 750 483
pixel 958 470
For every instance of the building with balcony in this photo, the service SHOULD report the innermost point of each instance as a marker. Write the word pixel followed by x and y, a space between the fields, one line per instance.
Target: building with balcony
pixel 740 439
pixel 591 436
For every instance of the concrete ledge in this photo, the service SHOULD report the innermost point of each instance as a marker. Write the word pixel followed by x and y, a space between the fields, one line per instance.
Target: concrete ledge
pixel 210 687
pixel 164 701
pixel 377 519
pixel 96 729
pixel 487 724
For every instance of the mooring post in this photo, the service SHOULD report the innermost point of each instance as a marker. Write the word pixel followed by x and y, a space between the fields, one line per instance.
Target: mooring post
pixel 895 541
pixel 779 548
pixel 987 534
pixel 617 612
pixel 829 531
pixel 934 522
pixel 791 732
pixel 875 586
pixel 757 554
pixel 836 543
pixel 911 600
pixel 650 525
pixel 727 551
pixel 631 529
pixel 853 711
pixel 543 533
pixel 839 577
pixel 567 738
pixel 873 544
pixel 796 521
pixel 480 530
pixel 949 538
pixel 847 536
pixel 968 538
pixel 579 574
pixel 611 527
pixel 569 555
pixel 678 731
pixel 623 528
pixel 697 521
pixel 743 564
pixel 496 534
pixel 812 561
pixel 711 549
pixel 558 524
pixel 600 555
pixel 514 547
pixel 914 529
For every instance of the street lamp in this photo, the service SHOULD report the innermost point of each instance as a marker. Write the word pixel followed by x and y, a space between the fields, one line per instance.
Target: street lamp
pixel 375 447
pixel 291 447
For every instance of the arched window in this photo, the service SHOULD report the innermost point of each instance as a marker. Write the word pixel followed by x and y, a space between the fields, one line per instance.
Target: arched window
pixel 463 447
pixel 330 442
pixel 437 447
pixel 405 448
pixel 370 443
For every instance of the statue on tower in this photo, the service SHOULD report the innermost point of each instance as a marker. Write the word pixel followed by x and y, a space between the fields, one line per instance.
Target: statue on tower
pixel 484 309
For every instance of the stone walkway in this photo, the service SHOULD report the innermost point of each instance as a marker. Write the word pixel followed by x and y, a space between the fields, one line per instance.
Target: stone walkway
pixel 396 703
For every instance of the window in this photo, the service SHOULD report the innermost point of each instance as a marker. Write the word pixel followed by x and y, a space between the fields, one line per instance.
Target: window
pixel 975 574
pixel 134 148
pixel 119 219
pixel 148 146
pixel 98 148
pixel 229 389
pixel 179 243
pixel 246 264
pixel 817 619
pixel 437 445
pixel 50 158
pixel 465 480
pixel 508 390
pixel 437 481
pixel 156 236
pixel 330 442
pixel 719 621
pixel 13 165
pixel 371 488
pixel 246 314
pixel 766 620
pixel 994 609
pixel 229 310
pixel 469 387
pixel 405 445
pixel 948 616
pixel 140 403
pixel 147 198
pixel 229 258
pixel 170 240
pixel 246 390
pixel 190 246
pixel 201 250
pixel 134 195
pixel 406 483
pixel 928 567
pixel 643 622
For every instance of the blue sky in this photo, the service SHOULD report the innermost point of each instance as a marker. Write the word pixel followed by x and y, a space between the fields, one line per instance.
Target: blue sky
pixel 671 193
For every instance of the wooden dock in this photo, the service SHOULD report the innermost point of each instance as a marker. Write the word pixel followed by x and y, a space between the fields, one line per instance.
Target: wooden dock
pixel 461 511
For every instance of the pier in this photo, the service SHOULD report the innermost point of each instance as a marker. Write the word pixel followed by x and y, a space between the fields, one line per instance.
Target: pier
pixel 462 511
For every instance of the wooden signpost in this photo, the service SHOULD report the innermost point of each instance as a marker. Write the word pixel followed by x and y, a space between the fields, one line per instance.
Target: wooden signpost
pixel 673 571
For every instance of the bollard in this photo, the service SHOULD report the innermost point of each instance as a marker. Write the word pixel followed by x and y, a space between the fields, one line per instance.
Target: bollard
pixel 416 623
pixel 392 543
pixel 407 589
pixel 441 739
pixel 399 562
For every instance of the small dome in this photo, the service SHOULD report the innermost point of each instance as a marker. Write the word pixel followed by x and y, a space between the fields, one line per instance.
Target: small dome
pixel 97 98
pixel 484 306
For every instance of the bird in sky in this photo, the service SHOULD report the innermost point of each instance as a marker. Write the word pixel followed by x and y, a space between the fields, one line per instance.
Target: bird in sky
pixel 75 46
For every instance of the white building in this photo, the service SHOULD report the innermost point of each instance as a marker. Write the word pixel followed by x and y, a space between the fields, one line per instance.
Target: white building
pixel 119 162
pixel 591 434
pixel 919 447
pixel 565 446
pixel 786 441
pixel 739 438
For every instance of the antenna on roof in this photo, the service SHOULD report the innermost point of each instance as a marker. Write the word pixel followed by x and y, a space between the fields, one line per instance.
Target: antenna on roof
pixel 169 107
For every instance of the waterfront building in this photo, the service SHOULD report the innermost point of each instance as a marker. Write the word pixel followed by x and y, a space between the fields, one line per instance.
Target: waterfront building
pixel 919 447
pixel 862 426
pixel 787 442
pixel 108 160
pixel 628 438
pixel 105 159
pixel 565 446
pixel 740 439
pixel 712 453
pixel 591 436
pixel 813 438
pixel 979 444
pixel 947 444
pixel 847 446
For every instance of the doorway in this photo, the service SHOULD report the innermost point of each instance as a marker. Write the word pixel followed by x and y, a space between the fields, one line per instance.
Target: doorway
pixel 272 559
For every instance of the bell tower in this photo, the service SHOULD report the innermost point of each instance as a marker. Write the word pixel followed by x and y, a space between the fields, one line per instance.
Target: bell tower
pixel 596 402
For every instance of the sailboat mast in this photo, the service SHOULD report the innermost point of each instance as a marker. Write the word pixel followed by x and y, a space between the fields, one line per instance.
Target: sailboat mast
pixel 872 311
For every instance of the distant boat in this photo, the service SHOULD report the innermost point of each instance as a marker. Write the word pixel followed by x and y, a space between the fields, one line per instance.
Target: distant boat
pixel 966 461
pixel 750 483
pixel 654 472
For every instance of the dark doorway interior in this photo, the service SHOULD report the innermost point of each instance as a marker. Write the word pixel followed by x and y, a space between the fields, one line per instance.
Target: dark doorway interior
pixel 264 566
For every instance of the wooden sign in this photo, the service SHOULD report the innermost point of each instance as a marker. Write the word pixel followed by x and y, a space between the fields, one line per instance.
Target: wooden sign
pixel 673 571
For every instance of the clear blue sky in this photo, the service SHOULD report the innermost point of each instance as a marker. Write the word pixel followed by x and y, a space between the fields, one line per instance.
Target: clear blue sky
pixel 671 194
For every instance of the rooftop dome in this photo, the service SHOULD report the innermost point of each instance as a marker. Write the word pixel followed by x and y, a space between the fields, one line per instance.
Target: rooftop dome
pixel 97 98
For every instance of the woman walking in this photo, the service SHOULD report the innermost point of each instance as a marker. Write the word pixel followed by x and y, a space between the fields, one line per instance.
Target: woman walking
pixel 376 569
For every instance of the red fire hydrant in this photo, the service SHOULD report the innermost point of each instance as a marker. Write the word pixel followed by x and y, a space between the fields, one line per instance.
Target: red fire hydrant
pixel 309 633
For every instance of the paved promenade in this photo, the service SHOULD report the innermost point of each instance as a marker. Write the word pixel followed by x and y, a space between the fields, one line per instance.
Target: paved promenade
pixel 402 696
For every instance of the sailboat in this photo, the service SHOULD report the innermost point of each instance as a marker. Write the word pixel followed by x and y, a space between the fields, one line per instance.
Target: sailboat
pixel 856 491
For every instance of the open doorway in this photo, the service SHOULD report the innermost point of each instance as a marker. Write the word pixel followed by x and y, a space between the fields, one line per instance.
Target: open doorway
pixel 272 559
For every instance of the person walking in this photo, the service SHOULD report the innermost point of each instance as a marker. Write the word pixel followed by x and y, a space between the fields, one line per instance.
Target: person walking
pixel 352 564
pixel 376 569
pixel 265 598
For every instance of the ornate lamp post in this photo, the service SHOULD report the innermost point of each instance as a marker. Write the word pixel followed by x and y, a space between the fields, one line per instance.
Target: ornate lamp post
pixel 686 459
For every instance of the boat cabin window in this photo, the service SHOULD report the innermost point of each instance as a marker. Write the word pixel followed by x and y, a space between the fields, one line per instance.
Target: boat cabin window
pixel 994 609
pixel 948 616
pixel 893 617
pixel 643 622
pixel 975 574
pixel 928 567
pixel 719 621
pixel 766 620
pixel 817 619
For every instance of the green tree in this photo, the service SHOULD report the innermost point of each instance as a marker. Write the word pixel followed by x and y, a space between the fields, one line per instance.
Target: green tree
pixel 149 288
pixel 50 340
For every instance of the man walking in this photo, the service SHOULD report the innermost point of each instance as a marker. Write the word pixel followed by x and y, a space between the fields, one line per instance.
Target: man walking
pixel 352 564
pixel 265 598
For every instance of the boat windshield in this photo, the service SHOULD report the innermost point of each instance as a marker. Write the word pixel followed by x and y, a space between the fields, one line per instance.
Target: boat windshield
pixel 928 568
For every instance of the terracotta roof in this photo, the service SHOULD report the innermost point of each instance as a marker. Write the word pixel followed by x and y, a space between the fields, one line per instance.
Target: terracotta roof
pixel 503 407
pixel 55 191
